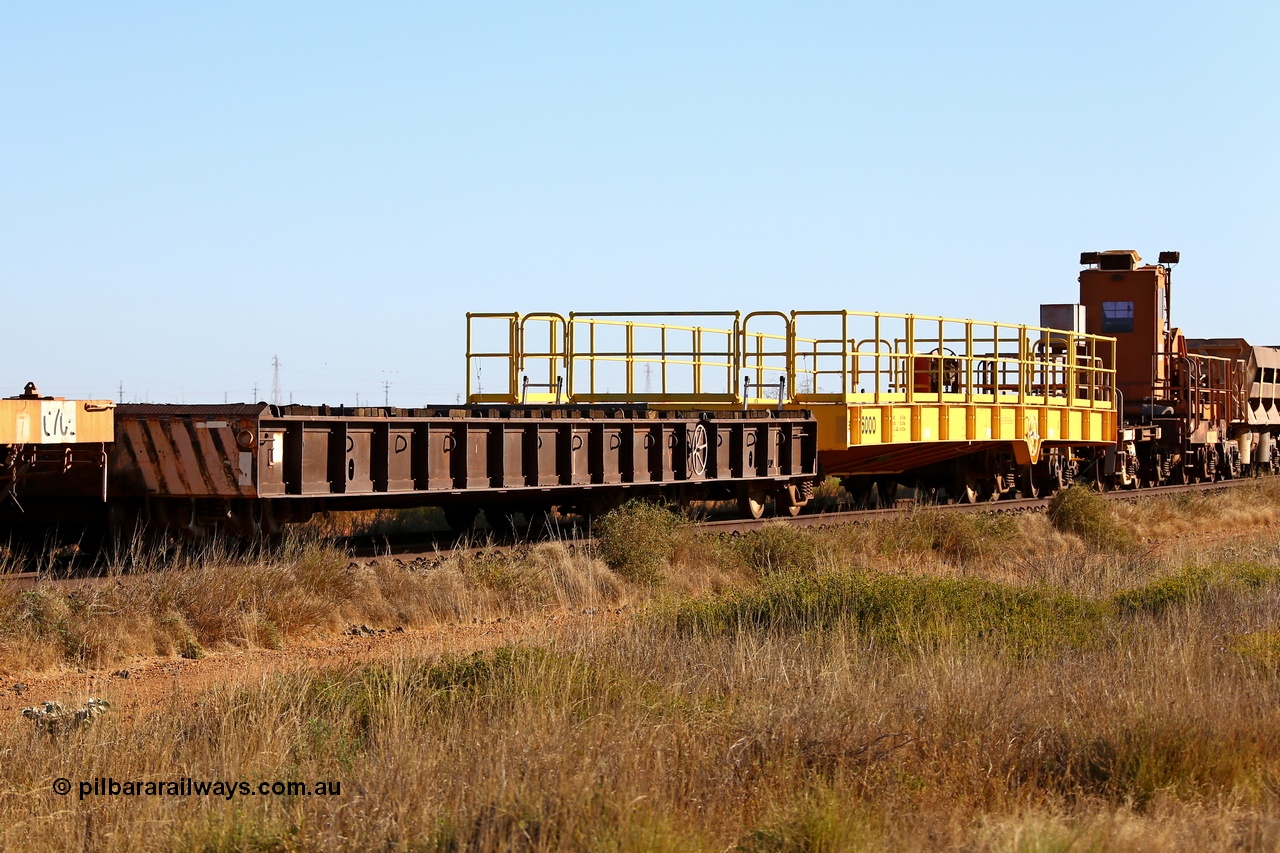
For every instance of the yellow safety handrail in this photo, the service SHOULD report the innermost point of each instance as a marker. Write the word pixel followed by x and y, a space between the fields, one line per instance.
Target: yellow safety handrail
pixel 612 357
pixel 507 360
pixel 804 358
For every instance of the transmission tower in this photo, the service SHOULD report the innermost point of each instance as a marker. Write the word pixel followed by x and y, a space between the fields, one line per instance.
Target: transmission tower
pixel 275 380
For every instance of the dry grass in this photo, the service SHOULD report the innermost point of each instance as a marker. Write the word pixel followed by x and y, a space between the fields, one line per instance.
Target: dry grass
pixel 925 683
pixel 1243 508
pixel 824 734
pixel 220 600
pixel 188 602
pixel 373 522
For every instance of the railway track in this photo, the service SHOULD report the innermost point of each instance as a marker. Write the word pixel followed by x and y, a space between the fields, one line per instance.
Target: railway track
pixel 428 547
pixel 435 547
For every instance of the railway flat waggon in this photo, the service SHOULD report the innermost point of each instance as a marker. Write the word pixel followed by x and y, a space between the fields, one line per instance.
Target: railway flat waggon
pixel 1255 428
pixel 250 468
pixel 958 409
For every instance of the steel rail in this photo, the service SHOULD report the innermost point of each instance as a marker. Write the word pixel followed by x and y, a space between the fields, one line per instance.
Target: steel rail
pixel 403 547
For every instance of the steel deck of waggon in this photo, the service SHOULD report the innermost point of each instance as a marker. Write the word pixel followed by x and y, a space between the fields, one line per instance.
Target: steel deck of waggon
pixel 890 392
pixel 253 466
pixel 265 451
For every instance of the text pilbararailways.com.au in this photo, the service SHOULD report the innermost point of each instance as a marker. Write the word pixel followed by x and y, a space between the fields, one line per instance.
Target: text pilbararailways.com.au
pixel 188 787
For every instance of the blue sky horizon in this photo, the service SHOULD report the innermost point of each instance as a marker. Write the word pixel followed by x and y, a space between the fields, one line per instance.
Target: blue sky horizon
pixel 190 190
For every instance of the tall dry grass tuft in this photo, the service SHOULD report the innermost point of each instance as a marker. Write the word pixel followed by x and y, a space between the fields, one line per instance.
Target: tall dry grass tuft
pixel 182 601
pixel 187 602
pixel 1253 505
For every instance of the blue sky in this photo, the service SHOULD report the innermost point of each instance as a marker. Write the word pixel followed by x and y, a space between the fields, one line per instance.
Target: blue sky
pixel 189 189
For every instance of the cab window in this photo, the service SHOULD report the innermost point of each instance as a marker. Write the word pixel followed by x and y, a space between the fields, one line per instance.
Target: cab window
pixel 1117 317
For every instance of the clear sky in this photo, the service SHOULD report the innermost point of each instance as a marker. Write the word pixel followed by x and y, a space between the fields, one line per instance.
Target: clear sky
pixel 189 189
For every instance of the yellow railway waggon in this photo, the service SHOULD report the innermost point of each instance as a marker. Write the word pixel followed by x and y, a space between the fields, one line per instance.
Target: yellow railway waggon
pixel 961 409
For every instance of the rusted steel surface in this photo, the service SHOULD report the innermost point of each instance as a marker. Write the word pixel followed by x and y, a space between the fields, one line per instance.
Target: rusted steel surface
pixel 184 451
pixel 518 449
pixel 297 451
pixel 51 446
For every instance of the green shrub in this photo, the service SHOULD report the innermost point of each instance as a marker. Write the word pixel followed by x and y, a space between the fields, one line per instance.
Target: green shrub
pixel 1083 512
pixel 1159 595
pixel 637 539
pixel 1259 647
pixel 1193 583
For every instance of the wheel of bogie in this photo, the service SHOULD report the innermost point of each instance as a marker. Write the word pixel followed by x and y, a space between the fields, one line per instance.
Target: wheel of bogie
pixel 501 521
pixel 751 501
pixel 887 492
pixel 859 489
pixel 788 501
pixel 539 521
pixel 966 490
pixel 460 518
pixel 1027 487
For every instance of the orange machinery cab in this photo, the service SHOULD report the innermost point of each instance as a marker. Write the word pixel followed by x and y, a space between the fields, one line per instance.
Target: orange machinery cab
pixel 1130 301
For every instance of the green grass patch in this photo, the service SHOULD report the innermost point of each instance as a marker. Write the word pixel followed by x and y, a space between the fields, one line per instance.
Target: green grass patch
pixel 1193 583
pixel 901 611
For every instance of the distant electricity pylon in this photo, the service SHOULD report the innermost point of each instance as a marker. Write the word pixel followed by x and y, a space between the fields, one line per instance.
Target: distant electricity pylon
pixel 275 380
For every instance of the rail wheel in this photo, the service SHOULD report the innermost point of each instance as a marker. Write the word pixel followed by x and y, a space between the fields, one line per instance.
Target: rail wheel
pixel 502 521
pixel 859 489
pixel 887 492
pixel 1027 486
pixel 460 518
pixel 751 500
pixel 789 501
pixel 540 520
pixel 978 485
